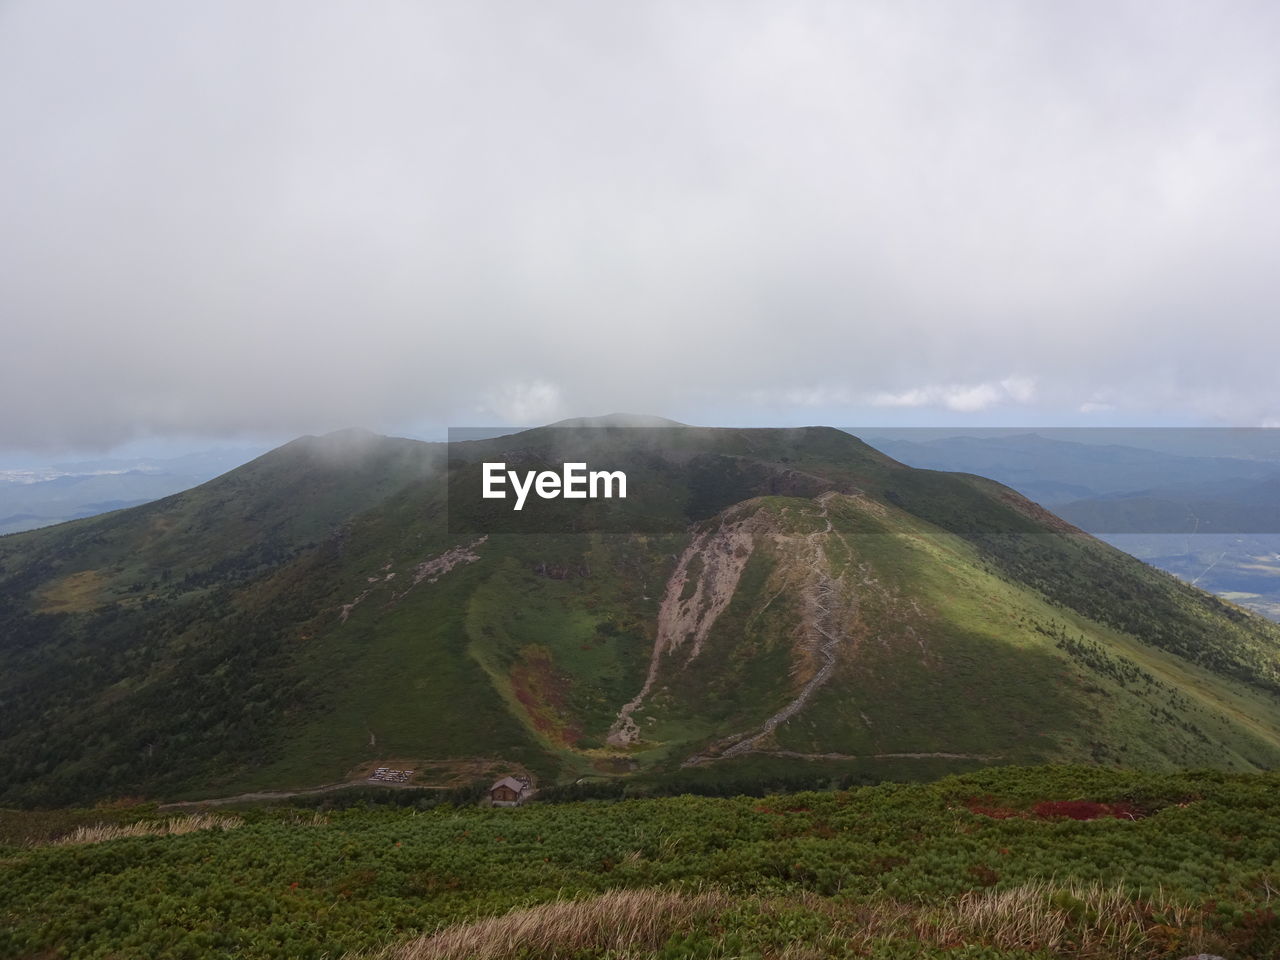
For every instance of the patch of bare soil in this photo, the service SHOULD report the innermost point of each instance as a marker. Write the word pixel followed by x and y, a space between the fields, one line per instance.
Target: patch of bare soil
pixel 697 592
pixel 823 614
pixel 430 570
pixel 435 568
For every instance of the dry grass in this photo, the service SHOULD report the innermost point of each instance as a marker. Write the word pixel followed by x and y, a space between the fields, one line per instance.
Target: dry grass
pixel 1074 920
pixel 172 827
pixel 1091 920
pixel 74 593
pixel 619 920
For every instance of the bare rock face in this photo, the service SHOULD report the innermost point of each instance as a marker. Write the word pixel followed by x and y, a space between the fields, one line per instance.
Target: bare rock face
pixel 703 583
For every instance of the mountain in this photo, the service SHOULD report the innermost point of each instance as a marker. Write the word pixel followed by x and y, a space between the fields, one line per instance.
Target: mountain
pixel 1226 506
pixel 1213 521
pixel 762 601
pixel 1053 471
pixel 1222 536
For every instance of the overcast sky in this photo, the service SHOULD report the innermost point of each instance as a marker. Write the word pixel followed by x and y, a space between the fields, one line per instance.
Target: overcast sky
pixel 227 219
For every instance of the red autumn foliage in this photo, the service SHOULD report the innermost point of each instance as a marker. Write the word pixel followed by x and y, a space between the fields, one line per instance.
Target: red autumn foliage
pixel 1086 810
pixel 986 806
pixel 1057 810
pixel 763 808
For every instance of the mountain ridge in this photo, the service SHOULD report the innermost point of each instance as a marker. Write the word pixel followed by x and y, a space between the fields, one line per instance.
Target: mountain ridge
pixel 312 613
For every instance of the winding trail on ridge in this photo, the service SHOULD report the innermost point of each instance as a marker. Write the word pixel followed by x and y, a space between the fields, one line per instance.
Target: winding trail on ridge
pixel 256 796
pixel 723 552
pixel 821 598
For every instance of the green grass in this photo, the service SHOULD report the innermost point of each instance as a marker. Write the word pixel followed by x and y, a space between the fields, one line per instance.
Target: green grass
pixel 875 869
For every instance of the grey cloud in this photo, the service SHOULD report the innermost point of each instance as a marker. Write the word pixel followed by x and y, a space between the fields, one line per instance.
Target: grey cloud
pixel 291 217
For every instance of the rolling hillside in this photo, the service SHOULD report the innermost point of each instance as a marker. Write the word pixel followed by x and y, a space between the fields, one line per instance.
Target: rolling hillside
pixel 763 601
pixel 1167 496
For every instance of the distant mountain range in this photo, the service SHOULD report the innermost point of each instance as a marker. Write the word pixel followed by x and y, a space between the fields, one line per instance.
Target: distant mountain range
pixel 1055 472
pixel 763 600
pixel 31 498
pixel 1212 520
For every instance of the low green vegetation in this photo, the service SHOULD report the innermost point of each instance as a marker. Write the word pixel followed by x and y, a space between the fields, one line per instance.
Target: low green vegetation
pixel 321 612
pixel 1002 864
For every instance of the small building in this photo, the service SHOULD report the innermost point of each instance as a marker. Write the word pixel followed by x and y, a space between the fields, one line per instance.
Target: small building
pixel 509 792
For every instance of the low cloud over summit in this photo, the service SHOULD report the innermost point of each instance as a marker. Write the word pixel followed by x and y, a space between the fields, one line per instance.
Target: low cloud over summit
pixel 290 217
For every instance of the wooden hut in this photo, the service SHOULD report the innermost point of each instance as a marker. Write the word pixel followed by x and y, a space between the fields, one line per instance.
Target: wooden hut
pixel 508 792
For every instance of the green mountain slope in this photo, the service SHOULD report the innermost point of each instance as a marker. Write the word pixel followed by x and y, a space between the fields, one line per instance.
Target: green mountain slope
pixel 763 600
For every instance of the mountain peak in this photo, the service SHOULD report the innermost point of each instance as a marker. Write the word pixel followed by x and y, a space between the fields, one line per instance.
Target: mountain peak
pixel 618 420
